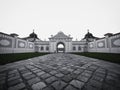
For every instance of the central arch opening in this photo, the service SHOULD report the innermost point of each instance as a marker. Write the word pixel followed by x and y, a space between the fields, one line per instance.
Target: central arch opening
pixel 60 47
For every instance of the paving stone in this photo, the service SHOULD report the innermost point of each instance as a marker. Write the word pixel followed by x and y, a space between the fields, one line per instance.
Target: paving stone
pixel 59 85
pixel 38 86
pixel 51 79
pixel 88 71
pixel 45 76
pixel 37 70
pixel 40 73
pixel 69 87
pixel 101 70
pixel 110 77
pixel 27 77
pixel 55 65
pixel 14 78
pixel 77 84
pixel 95 83
pixel 49 88
pixel 86 74
pixel 73 68
pixel 109 87
pixel 60 71
pixel 59 75
pixel 2 82
pixel 14 82
pixel 110 81
pixel 33 81
pixel 47 70
pixel 91 69
pixel 22 68
pixel 33 69
pixel 70 70
pixel 78 71
pixel 94 67
pixel 29 66
pixel 73 75
pixel 67 78
pixel 114 75
pixel 2 78
pixel 53 72
pixel 89 87
pixel 25 89
pixel 3 75
pixel 85 66
pixel 13 75
pixel 99 74
pixel 13 71
pixel 97 78
pixel 65 71
pixel 64 68
pixel 83 78
pixel 28 73
pixel 24 71
pixel 17 87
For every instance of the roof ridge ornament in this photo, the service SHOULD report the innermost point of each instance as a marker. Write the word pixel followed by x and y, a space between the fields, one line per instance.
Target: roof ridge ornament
pixel 88 30
pixel 33 30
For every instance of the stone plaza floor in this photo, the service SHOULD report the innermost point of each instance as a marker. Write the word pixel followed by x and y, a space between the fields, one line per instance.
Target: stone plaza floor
pixel 60 72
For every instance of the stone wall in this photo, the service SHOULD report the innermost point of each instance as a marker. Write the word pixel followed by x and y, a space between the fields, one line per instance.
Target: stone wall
pixel 42 46
pixel 78 46
pixel 107 45
pixel 9 44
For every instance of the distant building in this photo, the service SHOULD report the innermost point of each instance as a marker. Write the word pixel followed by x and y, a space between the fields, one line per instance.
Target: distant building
pixel 59 43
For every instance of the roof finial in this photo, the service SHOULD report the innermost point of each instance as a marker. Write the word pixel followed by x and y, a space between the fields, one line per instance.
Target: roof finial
pixel 88 30
pixel 33 30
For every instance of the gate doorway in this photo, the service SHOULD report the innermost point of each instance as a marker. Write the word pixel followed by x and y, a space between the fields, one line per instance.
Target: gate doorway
pixel 60 47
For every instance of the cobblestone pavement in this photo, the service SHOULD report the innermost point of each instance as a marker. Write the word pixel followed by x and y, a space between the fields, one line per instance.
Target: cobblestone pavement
pixel 60 72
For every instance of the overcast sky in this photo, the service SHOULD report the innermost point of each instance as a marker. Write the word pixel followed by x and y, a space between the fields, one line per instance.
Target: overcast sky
pixel 48 17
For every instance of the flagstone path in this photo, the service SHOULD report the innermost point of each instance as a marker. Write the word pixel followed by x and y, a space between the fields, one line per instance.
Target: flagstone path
pixel 60 72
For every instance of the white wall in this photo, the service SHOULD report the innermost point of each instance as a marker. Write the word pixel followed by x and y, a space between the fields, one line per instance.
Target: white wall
pixel 9 44
pixel 106 45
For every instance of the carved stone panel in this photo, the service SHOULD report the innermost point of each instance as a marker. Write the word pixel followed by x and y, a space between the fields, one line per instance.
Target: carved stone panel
pixel 31 45
pixel 21 44
pixel 101 44
pixel 5 42
pixel 115 42
pixel 91 45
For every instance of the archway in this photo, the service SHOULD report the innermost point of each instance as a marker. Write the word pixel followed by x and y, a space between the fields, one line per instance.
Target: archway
pixel 60 47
